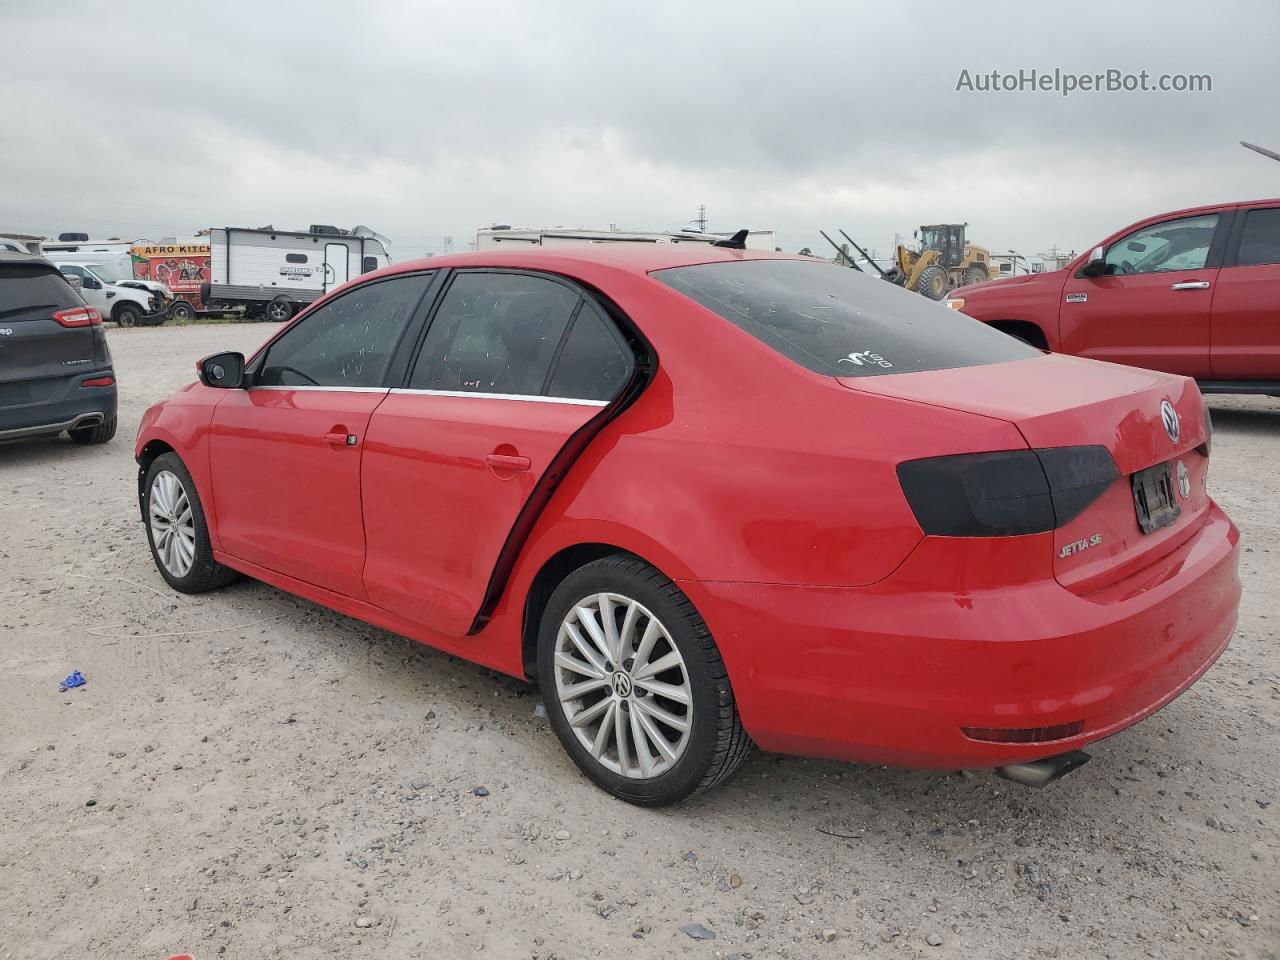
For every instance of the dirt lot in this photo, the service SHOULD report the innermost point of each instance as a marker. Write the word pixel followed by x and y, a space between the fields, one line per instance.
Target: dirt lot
pixel 248 775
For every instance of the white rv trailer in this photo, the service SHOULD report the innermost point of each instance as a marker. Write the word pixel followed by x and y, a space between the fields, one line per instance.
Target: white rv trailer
pixel 507 237
pixel 277 272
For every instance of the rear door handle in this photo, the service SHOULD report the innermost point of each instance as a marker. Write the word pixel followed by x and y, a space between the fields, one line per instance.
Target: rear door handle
pixel 342 438
pixel 1191 285
pixel 502 462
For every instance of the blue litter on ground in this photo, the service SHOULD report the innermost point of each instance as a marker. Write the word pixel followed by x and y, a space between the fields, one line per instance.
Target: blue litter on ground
pixel 75 680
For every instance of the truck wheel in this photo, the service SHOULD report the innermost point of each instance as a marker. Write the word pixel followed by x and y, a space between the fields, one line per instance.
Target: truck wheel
pixel 975 273
pixel 932 282
pixel 279 310
pixel 98 433
pixel 127 315
pixel 181 312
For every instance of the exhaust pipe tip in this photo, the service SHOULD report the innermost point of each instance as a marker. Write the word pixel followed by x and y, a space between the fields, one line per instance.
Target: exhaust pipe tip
pixel 1038 774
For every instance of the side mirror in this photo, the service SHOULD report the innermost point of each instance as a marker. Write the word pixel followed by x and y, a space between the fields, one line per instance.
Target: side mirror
pixel 224 370
pixel 1097 263
pixel 91 283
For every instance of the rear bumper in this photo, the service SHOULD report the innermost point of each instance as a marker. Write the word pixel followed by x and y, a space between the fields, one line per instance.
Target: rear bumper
pixel 69 406
pixel 894 672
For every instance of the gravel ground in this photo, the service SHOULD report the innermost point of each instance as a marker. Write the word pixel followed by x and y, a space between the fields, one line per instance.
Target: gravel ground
pixel 249 775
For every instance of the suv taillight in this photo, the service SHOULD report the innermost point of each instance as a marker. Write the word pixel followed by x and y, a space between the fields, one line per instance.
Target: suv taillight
pixel 78 317
pixel 1007 493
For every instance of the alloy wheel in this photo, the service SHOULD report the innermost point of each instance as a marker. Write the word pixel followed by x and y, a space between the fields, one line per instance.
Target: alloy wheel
pixel 173 530
pixel 623 685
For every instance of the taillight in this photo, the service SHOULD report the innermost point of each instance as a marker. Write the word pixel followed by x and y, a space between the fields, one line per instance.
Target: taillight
pixel 1007 493
pixel 1207 446
pixel 78 317
pixel 98 382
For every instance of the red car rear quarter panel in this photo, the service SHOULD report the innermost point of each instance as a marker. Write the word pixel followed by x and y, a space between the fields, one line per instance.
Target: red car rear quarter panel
pixel 747 467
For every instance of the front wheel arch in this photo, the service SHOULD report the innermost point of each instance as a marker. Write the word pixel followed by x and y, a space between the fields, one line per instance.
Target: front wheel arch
pixel 152 449
pixel 1026 331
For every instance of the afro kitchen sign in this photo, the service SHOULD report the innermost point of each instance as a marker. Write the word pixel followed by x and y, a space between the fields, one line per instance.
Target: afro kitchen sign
pixel 180 266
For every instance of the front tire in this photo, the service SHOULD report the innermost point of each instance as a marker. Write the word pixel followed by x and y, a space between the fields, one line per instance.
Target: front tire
pixel 634 685
pixel 932 282
pixel 127 315
pixel 98 433
pixel 177 531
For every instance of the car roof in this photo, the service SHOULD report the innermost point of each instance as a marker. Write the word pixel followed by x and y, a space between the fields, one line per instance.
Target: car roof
pixel 1212 208
pixel 9 256
pixel 638 258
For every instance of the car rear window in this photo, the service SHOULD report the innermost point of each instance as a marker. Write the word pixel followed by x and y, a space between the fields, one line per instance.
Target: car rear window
pixel 29 291
pixel 837 321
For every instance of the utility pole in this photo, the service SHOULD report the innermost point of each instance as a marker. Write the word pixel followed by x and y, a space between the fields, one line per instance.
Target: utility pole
pixel 702 218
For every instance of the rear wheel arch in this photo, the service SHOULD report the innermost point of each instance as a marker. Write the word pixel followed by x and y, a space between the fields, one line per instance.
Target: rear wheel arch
pixel 1024 330
pixel 549 576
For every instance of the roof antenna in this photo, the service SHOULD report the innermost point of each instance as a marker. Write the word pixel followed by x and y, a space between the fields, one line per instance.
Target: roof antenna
pixel 737 242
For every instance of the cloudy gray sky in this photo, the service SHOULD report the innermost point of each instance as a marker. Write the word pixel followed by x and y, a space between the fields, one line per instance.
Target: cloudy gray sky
pixel 430 120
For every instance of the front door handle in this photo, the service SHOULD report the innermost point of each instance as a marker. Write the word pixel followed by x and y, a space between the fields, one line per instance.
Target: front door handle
pixel 342 438
pixel 501 461
pixel 1191 285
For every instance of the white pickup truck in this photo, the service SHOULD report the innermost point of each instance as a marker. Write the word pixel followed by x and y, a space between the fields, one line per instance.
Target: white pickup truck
pixel 101 287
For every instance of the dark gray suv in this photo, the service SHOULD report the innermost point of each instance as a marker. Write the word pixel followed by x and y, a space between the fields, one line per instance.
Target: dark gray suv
pixel 55 368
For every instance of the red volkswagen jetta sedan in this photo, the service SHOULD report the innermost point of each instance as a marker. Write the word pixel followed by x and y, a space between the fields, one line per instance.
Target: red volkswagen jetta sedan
pixel 712 497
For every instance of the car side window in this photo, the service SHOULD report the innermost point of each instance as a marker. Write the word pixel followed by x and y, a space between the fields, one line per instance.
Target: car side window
pixel 495 333
pixel 73 270
pixel 1260 239
pixel 594 363
pixel 347 342
pixel 1161 247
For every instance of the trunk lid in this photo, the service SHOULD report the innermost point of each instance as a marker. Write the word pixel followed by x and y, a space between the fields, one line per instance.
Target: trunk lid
pixel 1061 401
pixel 37 353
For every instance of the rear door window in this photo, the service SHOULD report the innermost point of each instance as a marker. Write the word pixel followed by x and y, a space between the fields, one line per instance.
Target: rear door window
pixel 495 333
pixel 29 291
pixel 347 342
pixel 1260 239
pixel 836 321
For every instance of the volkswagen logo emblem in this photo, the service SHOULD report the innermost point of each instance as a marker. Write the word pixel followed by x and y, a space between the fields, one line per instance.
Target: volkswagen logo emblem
pixel 621 684
pixel 1169 416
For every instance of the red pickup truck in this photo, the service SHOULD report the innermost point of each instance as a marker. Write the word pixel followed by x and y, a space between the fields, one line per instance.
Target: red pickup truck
pixel 1195 292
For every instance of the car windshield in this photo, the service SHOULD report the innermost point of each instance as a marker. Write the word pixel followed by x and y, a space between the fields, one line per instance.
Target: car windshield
pixel 106 273
pixel 836 321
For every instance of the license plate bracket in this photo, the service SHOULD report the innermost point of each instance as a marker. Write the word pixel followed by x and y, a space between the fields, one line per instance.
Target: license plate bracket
pixel 1154 499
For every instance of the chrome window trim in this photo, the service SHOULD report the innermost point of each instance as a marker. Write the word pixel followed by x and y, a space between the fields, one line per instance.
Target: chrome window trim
pixel 309 386
pixel 501 396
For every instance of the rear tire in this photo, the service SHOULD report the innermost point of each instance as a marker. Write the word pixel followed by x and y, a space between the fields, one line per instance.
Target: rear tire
pixel 98 433
pixel 181 312
pixel 713 743
pixel 176 529
pixel 932 282
pixel 279 310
